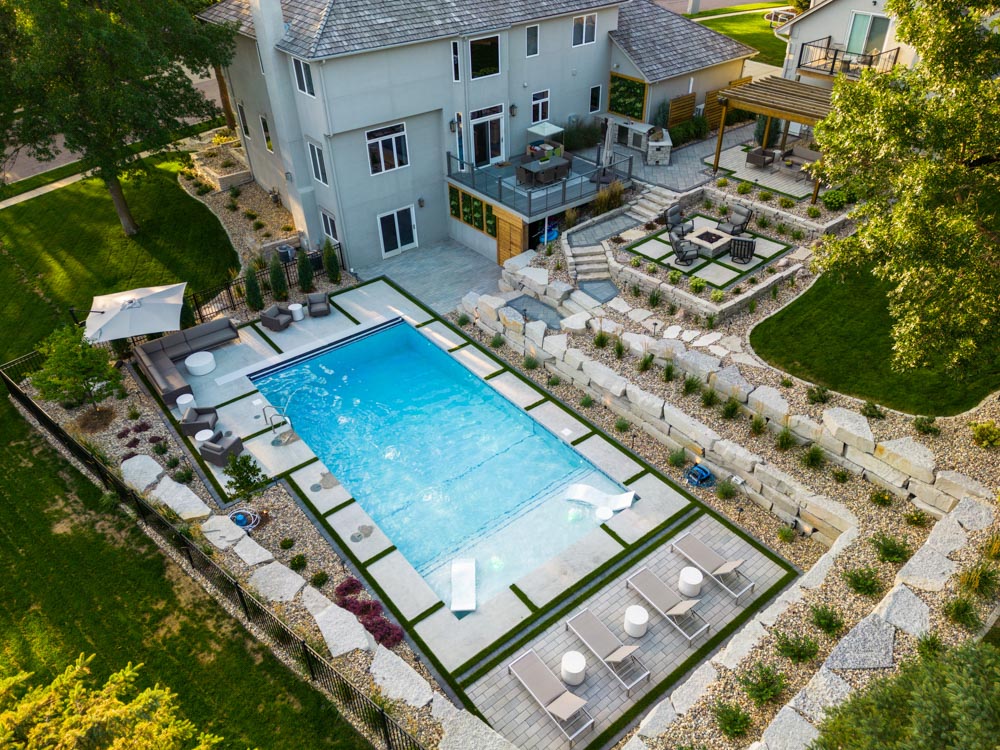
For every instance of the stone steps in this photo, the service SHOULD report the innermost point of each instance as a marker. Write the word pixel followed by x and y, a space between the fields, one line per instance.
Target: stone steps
pixel 587 263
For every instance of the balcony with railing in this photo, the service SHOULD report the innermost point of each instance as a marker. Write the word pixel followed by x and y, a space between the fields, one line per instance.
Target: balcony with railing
pixel 822 56
pixel 506 185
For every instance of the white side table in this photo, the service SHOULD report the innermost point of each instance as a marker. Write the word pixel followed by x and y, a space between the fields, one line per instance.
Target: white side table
pixel 200 363
pixel 184 402
pixel 636 621
pixel 296 310
pixel 202 435
pixel 604 513
pixel 573 667
pixel 689 583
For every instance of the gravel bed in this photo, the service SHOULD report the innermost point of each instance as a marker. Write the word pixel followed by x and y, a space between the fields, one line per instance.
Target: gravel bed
pixel 221 159
pixel 553 260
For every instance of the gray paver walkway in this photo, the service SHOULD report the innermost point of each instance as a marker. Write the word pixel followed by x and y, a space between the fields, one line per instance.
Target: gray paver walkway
pixel 593 234
pixel 510 709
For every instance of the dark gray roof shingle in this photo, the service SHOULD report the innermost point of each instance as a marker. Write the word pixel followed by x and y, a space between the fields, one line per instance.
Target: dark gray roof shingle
pixel 664 44
pixel 324 28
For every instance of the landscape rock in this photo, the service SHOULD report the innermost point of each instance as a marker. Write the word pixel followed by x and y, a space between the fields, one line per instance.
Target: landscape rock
pixel 252 553
pixel 867 646
pixel 972 514
pixel 789 731
pixel 619 305
pixel 879 468
pixel 698 364
pixel 610 327
pixel 511 319
pixel 909 456
pixel 575 323
pixel 558 290
pixel 537 278
pixel 314 601
pixel 849 427
pixel 520 261
pixel 637 343
pixel 141 472
pixel 927 570
pixel 769 402
pixel 687 694
pixel 489 306
pixel 556 345
pixel 658 720
pixel 535 331
pixel 584 300
pixel 947 535
pixel 959 486
pixel 470 303
pixel 825 690
pixel 341 630
pixel 222 532
pixel 398 680
pixel 707 340
pixel 740 645
pixel 604 377
pixel 670 349
pixel 180 499
pixel 276 583
pixel 638 314
pixel 645 401
pixel 904 609
pixel 635 743
pixel 672 332
pixel 736 456
pixel 729 381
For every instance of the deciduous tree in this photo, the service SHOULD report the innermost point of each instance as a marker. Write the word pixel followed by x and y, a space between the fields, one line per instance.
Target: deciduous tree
pixel 74 370
pixel 921 148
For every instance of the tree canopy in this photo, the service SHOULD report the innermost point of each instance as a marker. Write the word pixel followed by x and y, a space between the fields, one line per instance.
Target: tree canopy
pixel 104 74
pixel 920 148
pixel 70 712
pixel 74 370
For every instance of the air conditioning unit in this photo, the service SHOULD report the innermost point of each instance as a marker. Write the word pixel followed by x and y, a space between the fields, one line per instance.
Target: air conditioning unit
pixel 573 120
pixel 699 110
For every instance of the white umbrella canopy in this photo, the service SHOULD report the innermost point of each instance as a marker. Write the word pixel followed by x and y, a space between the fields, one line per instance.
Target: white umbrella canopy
pixel 152 309
pixel 545 130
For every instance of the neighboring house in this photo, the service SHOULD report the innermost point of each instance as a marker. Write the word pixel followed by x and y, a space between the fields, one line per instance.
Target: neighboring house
pixel 388 125
pixel 841 36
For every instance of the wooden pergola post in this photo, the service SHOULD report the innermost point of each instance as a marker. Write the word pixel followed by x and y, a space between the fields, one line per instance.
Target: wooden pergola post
pixel 722 128
pixel 767 132
pixel 784 135
pixel 815 191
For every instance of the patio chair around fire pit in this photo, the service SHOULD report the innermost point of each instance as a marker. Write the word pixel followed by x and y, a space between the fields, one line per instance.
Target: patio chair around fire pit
pixel 737 222
pixel 675 221
pixel 685 251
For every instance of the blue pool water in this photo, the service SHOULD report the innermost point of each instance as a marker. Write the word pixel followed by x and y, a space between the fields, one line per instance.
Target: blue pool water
pixel 445 465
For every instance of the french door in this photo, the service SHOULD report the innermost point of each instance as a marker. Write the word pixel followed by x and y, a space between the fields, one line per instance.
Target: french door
pixel 487 135
pixel 397 231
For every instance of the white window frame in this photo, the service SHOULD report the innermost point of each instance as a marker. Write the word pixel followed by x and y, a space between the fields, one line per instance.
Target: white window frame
pixel 392 138
pixel 241 113
pixel 540 106
pixel 393 212
pixel 265 130
pixel 583 33
pixel 499 58
pixel 527 37
pixel 260 58
pixel 871 17
pixel 328 220
pixel 600 97
pixel 304 77
pixel 456 62
pixel 318 163
pixel 460 141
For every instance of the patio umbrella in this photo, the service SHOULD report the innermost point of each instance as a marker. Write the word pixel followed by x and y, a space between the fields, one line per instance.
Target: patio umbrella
pixel 545 130
pixel 123 314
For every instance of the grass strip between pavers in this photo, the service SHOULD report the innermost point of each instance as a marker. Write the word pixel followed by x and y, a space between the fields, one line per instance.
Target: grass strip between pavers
pixel 582 438
pixel 539 402
pixel 698 656
pixel 492 375
pixel 460 346
pixel 427 613
pixel 267 339
pixel 338 508
pixel 257 434
pixel 343 311
pixel 523 597
pixel 611 533
pixel 378 556
pixel 236 398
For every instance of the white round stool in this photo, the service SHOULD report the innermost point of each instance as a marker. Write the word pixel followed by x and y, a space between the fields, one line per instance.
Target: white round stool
pixel 689 583
pixel 184 402
pixel 573 667
pixel 636 621
pixel 297 312
pixel 200 363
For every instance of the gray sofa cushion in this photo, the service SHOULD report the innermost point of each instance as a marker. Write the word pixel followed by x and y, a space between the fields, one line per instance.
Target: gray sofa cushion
pixel 211 334
pixel 176 345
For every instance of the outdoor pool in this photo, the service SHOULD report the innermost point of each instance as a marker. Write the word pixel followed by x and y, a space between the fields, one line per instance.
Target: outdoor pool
pixel 445 465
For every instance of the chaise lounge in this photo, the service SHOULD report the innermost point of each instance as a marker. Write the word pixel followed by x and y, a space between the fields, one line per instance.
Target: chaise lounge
pixel 563 707
pixel 157 359
pixel 675 609
pixel 606 646
pixel 724 572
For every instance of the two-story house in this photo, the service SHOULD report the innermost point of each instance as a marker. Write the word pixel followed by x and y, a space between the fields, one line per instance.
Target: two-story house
pixel 841 36
pixel 388 125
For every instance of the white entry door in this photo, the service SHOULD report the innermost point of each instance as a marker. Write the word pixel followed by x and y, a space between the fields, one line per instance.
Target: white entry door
pixel 397 230
pixel 487 135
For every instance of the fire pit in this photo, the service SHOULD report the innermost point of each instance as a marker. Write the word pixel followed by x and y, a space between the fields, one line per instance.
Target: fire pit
pixel 711 243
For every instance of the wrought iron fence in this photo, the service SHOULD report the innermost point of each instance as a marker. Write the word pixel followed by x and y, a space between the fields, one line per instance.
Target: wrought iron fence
pixel 353 702
pixel 822 57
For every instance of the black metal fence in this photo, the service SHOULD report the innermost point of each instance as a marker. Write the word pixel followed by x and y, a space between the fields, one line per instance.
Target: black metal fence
pixel 353 702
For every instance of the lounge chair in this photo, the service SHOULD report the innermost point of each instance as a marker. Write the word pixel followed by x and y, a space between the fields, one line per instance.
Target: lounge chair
pixel 737 222
pixel 218 449
pixel 760 157
pixel 563 707
pixel 607 647
pixel 276 318
pixel 198 418
pixel 584 493
pixel 677 610
pixel 676 223
pixel 463 584
pixel 724 572
pixel 318 303
pixel 685 251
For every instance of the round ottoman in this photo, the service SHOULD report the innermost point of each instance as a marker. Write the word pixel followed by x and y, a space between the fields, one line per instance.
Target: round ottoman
pixel 573 667
pixel 636 621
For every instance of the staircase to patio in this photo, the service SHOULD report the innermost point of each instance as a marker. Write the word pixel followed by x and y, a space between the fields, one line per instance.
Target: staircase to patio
pixel 652 202
pixel 588 263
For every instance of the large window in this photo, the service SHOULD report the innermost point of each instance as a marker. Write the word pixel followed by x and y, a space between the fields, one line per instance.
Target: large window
pixel 484 57
pixel 397 230
pixel 867 35
pixel 595 98
pixel 584 29
pixel 303 77
pixel 456 63
pixel 267 134
pixel 318 164
pixel 387 148
pixel 539 106
pixel 244 126
pixel 531 41
pixel 329 225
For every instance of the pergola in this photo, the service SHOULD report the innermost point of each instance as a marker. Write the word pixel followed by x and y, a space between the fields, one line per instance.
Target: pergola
pixel 772 97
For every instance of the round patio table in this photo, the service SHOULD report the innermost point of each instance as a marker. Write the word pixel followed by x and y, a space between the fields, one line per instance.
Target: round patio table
pixel 200 363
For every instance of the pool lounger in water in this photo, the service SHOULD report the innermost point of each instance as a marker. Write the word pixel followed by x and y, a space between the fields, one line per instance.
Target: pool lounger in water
pixel 463 584
pixel 584 493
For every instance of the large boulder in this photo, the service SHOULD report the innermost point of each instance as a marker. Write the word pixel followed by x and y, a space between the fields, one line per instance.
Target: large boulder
pixel 398 680
pixel 905 610
pixel 909 457
pixel 698 364
pixel 688 693
pixel 825 690
pixel 729 381
pixel 141 472
pixel 867 646
pixel 849 427
pixel 768 402
pixel 575 323
pixel 222 532
pixel 789 731
pixel 927 570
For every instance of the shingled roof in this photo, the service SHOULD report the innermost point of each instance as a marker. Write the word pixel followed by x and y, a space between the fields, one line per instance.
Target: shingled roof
pixel 663 44
pixel 325 28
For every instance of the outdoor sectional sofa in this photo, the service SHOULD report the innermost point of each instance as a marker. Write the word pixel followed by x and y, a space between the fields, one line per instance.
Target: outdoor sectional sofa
pixel 157 358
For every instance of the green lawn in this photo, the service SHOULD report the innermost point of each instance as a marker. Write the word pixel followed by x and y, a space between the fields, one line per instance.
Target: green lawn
pixel 754 31
pixel 735 9
pixel 73 580
pixel 838 334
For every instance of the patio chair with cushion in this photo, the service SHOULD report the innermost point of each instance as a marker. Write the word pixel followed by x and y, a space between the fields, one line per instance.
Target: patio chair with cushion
pixel 759 157
pixel 675 221
pixel 677 610
pixel 218 449
pixel 737 222
pixel 276 318
pixel 724 572
pixel 319 304
pixel 685 251
pixel 564 708
pixel 606 646
pixel 741 250
pixel 198 418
